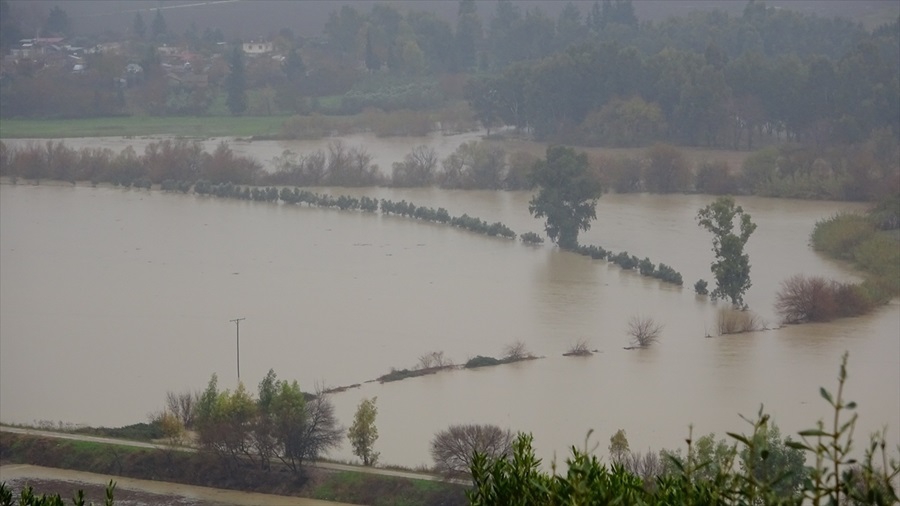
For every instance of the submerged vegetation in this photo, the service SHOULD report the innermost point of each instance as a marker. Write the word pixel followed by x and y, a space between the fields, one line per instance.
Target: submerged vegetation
pixel 871 243
pixel 183 166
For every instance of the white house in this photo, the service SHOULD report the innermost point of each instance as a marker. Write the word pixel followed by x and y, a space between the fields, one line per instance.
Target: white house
pixel 257 47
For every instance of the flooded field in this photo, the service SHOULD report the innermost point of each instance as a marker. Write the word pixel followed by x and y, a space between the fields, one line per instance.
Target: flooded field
pixel 110 297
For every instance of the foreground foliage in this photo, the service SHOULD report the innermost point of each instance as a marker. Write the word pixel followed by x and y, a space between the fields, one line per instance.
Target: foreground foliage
pixel 29 498
pixel 770 471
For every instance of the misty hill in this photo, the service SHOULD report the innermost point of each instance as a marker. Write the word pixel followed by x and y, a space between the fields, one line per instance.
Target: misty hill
pixel 263 18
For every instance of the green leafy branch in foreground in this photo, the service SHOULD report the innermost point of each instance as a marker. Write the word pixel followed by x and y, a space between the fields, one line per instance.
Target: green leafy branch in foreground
pixel 834 478
pixel 29 498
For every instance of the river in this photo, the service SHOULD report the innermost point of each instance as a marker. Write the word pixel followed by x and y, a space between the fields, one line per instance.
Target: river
pixel 111 297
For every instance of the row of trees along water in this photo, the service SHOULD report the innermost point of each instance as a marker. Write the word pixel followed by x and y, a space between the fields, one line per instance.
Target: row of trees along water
pixel 219 171
pixel 870 171
pixel 563 176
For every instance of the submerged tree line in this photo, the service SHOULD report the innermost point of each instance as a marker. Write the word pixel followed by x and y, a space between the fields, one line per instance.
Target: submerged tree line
pixel 568 184
pixel 224 174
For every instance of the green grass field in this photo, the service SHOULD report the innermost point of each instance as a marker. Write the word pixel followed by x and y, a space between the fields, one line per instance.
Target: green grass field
pixel 207 126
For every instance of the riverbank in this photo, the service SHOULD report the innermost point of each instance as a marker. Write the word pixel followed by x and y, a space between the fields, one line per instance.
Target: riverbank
pixel 167 464
pixel 126 126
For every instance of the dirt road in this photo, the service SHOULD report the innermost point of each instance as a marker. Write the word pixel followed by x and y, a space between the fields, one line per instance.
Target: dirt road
pixel 141 492
pixel 139 444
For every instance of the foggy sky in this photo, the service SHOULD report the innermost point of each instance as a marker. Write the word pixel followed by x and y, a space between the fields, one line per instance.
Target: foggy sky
pixel 248 19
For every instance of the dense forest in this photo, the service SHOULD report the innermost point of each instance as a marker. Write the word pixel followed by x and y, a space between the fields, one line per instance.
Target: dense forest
pixel 596 76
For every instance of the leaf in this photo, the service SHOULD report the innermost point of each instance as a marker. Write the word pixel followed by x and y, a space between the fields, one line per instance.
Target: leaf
pixel 825 395
pixel 851 405
pixel 813 432
pixel 846 425
pixel 797 445
pixel 739 437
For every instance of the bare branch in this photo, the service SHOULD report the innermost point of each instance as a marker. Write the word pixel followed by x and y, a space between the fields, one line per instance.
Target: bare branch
pixel 644 331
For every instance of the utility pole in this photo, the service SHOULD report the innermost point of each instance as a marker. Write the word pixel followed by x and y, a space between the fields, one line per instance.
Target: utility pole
pixel 237 322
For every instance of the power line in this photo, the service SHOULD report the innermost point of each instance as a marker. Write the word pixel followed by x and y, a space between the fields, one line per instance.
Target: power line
pixel 237 322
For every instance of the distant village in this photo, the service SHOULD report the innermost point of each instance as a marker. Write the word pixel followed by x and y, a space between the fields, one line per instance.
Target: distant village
pixel 183 67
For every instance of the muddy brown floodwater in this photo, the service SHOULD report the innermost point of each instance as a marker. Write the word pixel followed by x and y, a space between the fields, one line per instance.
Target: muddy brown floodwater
pixel 110 297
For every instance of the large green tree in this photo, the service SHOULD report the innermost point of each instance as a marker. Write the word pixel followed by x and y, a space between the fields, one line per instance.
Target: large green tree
pixel 468 35
pixel 363 432
pixel 236 82
pixel 568 195
pixel 57 22
pixel 158 28
pixel 139 27
pixel 732 266
pixel 284 423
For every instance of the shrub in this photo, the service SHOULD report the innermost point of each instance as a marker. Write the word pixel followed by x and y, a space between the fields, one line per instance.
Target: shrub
pixel 885 215
pixel 579 349
pixel 815 299
pixel 434 359
pixel 760 169
pixel 736 321
pixel 644 331
pixel 516 351
pixel 839 234
pixel 700 287
pixel 136 432
pixel 668 170
pixel 595 252
pixel 474 165
pixel 480 361
pixel 715 178
pixel 518 173
pixel 183 406
pixel 624 260
pixel 453 449
pixel 416 169
pixel 669 275
pixel 854 237
pixel 880 256
pixel 805 299
pixel 624 174
pixel 646 267
pixel 531 238
pixel 397 375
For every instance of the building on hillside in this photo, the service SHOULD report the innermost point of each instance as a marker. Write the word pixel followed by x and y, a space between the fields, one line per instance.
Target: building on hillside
pixel 257 47
pixel 30 48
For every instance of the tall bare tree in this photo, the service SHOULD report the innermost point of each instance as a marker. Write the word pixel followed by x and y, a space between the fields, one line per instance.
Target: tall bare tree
pixel 454 448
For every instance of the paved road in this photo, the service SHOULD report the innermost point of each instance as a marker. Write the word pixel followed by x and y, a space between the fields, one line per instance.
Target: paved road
pixel 141 444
